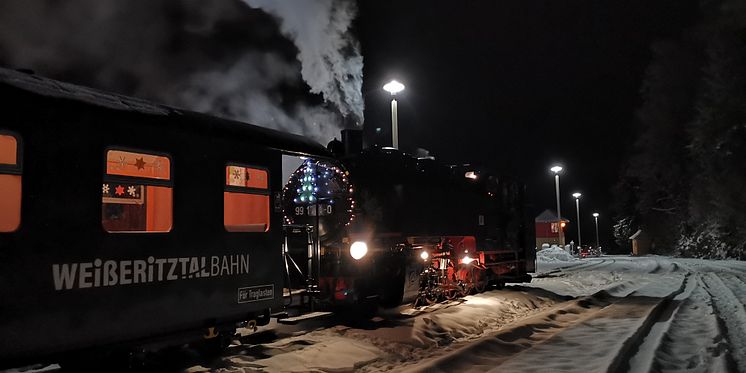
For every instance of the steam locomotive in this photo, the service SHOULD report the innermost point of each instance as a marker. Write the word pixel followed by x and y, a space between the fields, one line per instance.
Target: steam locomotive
pixel 128 223
pixel 395 228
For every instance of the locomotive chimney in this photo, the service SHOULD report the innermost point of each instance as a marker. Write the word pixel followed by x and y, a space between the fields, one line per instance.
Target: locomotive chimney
pixel 352 140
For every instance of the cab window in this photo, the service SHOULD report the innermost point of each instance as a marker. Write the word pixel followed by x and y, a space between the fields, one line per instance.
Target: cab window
pixel 137 192
pixel 10 182
pixel 246 199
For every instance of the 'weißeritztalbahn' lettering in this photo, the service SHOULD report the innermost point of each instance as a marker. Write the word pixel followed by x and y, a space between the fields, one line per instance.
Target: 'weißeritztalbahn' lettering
pixel 125 272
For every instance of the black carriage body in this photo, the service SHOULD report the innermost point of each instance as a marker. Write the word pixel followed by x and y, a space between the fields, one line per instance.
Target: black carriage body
pixel 64 132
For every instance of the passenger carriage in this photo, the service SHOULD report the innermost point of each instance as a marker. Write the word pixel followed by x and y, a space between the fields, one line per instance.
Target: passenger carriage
pixel 126 222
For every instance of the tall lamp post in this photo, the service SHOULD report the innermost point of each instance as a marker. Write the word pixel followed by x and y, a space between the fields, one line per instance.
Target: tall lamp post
pixel 394 87
pixel 595 216
pixel 556 170
pixel 577 208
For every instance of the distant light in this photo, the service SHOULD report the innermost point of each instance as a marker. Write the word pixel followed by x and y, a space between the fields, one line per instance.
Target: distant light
pixel 556 169
pixel 576 195
pixel 393 87
pixel 470 175
pixel 595 214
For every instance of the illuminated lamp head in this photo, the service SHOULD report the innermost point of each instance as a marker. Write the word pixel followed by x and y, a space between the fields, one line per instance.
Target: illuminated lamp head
pixel 358 249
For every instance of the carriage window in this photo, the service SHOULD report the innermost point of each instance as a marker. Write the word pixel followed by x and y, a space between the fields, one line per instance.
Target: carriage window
pixel 137 194
pixel 10 183
pixel 246 199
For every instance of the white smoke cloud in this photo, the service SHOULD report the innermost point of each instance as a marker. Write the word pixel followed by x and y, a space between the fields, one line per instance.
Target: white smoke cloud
pixel 244 91
pixel 328 52
pixel 217 57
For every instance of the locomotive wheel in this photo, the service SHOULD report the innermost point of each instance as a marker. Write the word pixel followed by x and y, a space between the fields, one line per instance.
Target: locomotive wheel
pixel 432 296
pixel 453 291
pixel 479 279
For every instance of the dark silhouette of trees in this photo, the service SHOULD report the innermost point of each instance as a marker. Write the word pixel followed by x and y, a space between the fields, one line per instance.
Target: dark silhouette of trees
pixel 685 181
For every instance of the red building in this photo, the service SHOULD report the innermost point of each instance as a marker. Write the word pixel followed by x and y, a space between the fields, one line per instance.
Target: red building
pixel 547 230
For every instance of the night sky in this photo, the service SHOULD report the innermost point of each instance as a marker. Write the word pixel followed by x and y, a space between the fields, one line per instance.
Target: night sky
pixel 518 85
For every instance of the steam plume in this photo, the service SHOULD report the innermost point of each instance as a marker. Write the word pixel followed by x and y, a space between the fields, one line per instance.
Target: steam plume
pixel 219 57
pixel 329 54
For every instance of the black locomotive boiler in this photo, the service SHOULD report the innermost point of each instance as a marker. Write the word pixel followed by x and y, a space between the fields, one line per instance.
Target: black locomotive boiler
pixel 385 219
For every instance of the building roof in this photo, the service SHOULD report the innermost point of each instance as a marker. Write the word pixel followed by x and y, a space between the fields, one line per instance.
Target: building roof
pixel 638 235
pixel 548 216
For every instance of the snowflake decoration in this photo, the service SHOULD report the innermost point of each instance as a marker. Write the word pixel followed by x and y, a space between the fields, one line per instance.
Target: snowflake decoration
pixel 236 174
pixel 131 190
pixel 105 189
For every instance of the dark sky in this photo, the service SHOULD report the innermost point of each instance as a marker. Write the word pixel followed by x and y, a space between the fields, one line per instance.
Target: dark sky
pixel 518 85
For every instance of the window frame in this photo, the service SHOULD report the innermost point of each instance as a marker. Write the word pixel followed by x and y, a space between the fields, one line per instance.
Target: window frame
pixel 108 178
pixel 16 170
pixel 249 190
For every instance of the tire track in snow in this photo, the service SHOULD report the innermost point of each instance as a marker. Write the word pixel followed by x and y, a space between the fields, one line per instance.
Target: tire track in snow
pixel 731 315
pixel 686 337
pixel 586 266
pixel 737 285
pixel 662 309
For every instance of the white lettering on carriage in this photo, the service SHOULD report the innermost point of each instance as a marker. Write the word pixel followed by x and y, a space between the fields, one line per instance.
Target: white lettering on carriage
pixel 104 273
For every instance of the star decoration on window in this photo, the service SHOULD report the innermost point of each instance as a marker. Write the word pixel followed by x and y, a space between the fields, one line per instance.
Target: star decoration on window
pixel 131 190
pixel 122 162
pixel 105 189
pixel 140 163
pixel 119 190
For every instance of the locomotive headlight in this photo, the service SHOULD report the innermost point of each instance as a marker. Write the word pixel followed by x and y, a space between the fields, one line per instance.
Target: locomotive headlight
pixel 424 255
pixel 467 260
pixel 358 249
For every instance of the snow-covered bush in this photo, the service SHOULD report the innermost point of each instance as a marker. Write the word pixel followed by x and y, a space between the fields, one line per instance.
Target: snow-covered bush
pixel 554 254
pixel 708 241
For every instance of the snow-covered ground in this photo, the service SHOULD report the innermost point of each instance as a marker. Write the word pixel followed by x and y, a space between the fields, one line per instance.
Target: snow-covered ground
pixel 611 313
pixel 607 314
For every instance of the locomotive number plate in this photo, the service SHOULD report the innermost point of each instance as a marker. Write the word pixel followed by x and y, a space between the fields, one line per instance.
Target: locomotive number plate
pixel 324 210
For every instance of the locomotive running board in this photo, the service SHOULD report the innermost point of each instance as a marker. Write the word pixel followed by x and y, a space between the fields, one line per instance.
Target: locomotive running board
pixel 308 316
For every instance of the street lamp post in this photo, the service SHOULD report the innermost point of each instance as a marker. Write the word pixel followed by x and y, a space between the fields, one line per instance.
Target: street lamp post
pixel 394 87
pixel 556 170
pixel 595 216
pixel 577 208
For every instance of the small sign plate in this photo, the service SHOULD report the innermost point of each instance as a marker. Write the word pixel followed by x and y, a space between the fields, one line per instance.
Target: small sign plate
pixel 256 293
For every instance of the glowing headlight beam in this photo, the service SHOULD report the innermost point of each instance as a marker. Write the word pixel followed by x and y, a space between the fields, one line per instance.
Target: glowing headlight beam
pixel 467 260
pixel 358 249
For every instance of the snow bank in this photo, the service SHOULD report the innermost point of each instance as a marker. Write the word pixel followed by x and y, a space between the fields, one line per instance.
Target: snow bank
pixel 554 254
